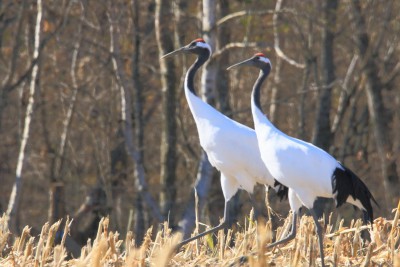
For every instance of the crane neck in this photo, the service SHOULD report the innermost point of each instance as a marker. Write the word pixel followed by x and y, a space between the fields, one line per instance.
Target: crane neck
pixel 258 115
pixel 189 81
pixel 256 93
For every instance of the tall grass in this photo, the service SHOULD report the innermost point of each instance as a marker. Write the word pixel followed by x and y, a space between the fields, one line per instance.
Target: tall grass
pixel 244 247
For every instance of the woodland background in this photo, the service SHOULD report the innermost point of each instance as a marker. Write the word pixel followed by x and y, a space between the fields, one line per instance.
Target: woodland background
pixel 94 123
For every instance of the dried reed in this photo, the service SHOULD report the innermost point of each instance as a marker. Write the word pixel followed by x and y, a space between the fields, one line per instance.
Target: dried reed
pixel 245 247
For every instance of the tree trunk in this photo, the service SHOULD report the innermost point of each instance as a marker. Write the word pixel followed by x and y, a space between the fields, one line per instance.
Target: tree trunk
pixel 164 28
pixel 209 73
pixel 223 77
pixel 207 92
pixel 13 61
pixel 378 114
pixel 322 136
pixel 222 92
pixel 139 222
pixel 208 81
pixel 277 67
pixel 302 99
pixel 201 188
pixel 57 208
pixel 13 204
pixel 126 104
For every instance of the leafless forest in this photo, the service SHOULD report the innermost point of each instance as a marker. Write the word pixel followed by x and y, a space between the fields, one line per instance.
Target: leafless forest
pixel 94 123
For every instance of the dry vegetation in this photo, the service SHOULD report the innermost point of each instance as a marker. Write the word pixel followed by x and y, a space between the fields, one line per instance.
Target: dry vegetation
pixel 244 247
pixel 76 160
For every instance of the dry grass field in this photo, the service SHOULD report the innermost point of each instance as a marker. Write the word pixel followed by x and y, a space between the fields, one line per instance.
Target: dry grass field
pixel 243 247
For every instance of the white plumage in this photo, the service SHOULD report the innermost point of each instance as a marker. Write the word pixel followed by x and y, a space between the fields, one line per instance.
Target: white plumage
pixel 297 164
pixel 231 147
pixel 307 170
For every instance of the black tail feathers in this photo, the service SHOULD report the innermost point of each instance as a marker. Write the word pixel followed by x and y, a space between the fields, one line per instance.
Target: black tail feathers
pixel 281 190
pixel 345 183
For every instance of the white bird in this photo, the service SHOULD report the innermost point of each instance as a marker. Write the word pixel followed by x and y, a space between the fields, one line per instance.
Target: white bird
pixel 230 146
pixel 307 170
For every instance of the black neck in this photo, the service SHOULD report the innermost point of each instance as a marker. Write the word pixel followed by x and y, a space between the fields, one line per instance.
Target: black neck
pixel 257 86
pixel 201 59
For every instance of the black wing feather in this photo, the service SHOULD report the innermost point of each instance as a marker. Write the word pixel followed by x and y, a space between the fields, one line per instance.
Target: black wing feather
pixel 281 190
pixel 346 183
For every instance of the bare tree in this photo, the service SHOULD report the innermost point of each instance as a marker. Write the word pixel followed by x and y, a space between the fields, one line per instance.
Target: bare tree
pixel 278 63
pixel 13 204
pixel 138 113
pixel 207 91
pixel 7 80
pixel 57 207
pixel 222 93
pixel 377 111
pixel 163 25
pixel 322 135
pixel 126 108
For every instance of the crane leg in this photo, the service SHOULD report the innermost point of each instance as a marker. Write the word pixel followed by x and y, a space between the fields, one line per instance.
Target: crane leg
pixel 290 236
pixel 257 212
pixel 320 236
pixel 224 224
pixel 365 233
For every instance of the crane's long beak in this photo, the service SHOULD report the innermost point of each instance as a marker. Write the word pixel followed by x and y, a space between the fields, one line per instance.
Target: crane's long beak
pixel 245 62
pixel 177 51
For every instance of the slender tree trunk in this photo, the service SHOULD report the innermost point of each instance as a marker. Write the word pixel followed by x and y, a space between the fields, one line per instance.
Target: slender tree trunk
pixel 208 82
pixel 13 204
pixel 209 73
pixel 164 28
pixel 222 92
pixel 345 95
pixel 377 111
pixel 278 65
pixel 138 116
pixel 13 62
pixel 223 77
pixel 309 58
pixel 202 189
pixel 126 109
pixel 302 98
pixel 57 208
pixel 322 136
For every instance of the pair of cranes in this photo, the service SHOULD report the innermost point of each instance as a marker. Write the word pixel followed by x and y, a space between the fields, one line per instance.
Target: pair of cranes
pixel 266 155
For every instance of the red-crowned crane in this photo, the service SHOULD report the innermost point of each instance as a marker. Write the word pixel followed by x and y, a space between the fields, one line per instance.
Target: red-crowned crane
pixel 307 170
pixel 230 146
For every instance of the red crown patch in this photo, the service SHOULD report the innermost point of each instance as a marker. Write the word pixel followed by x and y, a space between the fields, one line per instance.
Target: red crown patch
pixel 201 40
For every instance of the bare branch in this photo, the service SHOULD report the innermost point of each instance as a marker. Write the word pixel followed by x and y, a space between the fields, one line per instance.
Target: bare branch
pixel 8 87
pixel 16 44
pixel 13 203
pixel 229 46
pixel 344 95
pixel 277 48
pixel 392 75
pixel 251 12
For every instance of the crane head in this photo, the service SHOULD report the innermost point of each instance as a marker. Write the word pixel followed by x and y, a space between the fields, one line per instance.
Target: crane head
pixel 197 46
pixel 259 60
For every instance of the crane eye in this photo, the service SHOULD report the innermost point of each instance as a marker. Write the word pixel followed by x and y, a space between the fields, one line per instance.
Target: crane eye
pixel 257 57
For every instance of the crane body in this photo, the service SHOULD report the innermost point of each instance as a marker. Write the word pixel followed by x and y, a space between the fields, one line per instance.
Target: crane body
pixel 239 161
pixel 231 147
pixel 308 171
